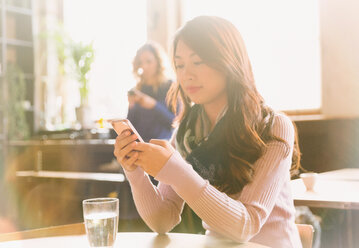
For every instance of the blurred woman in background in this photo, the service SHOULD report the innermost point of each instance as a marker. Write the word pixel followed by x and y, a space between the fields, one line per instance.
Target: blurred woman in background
pixel 148 111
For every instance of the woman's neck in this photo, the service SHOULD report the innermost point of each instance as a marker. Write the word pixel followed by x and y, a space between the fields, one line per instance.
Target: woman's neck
pixel 150 81
pixel 213 110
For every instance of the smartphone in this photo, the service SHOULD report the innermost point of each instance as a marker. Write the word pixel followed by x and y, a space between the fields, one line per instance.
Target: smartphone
pixel 122 125
pixel 131 92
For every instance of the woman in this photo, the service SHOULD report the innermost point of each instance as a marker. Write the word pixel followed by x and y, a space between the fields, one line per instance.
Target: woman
pixel 148 111
pixel 234 153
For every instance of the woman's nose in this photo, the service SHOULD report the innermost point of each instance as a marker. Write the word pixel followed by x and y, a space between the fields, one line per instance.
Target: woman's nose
pixel 144 67
pixel 188 73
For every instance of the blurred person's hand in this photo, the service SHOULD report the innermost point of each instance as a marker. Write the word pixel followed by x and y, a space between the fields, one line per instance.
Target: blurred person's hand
pixel 124 152
pixel 132 99
pixel 145 101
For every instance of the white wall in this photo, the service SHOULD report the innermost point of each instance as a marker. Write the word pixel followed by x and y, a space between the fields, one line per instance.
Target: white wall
pixel 164 18
pixel 339 35
pixel 340 57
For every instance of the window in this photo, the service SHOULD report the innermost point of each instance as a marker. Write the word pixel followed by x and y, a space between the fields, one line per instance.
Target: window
pixel 282 39
pixel 117 29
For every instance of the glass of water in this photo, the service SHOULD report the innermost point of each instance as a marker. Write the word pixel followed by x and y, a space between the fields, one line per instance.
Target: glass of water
pixel 101 221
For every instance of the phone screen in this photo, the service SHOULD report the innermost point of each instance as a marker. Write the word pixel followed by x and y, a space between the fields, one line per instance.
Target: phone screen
pixel 122 125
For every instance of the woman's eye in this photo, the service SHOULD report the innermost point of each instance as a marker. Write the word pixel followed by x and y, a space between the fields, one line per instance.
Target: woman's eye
pixel 179 66
pixel 198 63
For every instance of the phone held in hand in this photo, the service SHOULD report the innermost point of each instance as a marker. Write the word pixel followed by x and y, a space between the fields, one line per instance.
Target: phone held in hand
pixel 122 125
pixel 131 92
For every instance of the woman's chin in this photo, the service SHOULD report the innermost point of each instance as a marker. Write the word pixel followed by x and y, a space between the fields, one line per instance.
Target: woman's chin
pixel 195 101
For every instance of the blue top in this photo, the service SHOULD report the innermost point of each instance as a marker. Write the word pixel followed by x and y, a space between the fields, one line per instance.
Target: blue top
pixel 155 123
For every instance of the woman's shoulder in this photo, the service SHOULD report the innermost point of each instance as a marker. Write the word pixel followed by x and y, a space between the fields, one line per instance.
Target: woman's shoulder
pixel 282 120
pixel 283 126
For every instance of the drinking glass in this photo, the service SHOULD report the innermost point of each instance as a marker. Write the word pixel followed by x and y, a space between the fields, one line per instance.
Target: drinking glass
pixel 101 221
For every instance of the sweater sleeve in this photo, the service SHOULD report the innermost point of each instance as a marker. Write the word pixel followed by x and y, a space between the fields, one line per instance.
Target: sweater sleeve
pixel 161 111
pixel 160 207
pixel 237 218
pixel 163 114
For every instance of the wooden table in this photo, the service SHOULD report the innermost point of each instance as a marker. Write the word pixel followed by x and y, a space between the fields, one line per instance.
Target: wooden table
pixel 124 239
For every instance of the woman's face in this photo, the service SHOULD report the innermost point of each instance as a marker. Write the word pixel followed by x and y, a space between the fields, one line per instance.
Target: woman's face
pixel 149 65
pixel 201 83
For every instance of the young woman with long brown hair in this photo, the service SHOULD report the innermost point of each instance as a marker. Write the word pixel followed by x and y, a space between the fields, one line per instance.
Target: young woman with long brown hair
pixel 234 154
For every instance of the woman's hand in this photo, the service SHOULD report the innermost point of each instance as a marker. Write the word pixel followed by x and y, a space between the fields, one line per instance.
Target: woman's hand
pixel 142 99
pixel 154 155
pixel 124 151
pixel 146 101
pixel 132 99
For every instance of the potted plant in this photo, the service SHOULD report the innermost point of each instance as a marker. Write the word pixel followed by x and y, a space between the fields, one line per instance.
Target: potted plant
pixel 18 127
pixel 83 57
pixel 74 60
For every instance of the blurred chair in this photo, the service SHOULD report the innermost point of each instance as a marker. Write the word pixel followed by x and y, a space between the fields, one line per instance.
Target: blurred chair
pixel 306 234
pixel 303 215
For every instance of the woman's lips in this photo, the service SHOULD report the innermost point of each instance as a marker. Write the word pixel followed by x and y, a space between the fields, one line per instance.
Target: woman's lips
pixel 193 89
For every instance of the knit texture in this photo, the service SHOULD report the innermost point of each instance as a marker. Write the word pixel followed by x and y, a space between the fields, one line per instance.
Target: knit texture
pixel 263 212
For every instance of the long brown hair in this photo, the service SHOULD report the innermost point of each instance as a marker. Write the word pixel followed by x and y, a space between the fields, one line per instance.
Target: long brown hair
pixel 248 129
pixel 159 55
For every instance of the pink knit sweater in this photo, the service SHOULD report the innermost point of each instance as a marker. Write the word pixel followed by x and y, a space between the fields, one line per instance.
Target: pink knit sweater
pixel 263 212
